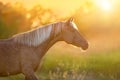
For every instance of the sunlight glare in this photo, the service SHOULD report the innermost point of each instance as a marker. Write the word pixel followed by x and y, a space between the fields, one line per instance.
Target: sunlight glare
pixel 105 5
pixel 28 16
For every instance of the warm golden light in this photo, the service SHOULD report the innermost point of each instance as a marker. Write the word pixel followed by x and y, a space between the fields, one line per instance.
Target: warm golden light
pixel 104 5
pixel 28 16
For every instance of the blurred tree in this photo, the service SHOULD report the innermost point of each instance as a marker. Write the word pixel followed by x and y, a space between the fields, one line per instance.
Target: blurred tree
pixel 16 18
pixel 41 16
pixel 11 20
pixel 34 13
pixel 4 23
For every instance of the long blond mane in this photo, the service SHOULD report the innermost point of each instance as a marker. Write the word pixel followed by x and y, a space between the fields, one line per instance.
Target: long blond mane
pixel 34 37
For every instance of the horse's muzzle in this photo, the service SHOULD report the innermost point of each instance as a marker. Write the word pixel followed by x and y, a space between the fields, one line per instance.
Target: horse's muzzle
pixel 85 46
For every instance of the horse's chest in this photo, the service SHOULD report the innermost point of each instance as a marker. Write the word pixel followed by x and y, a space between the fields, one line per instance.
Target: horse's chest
pixel 36 58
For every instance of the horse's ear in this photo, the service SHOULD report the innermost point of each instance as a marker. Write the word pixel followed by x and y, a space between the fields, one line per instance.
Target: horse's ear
pixel 70 20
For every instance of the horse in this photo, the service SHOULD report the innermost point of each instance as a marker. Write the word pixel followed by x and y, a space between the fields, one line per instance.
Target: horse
pixel 23 52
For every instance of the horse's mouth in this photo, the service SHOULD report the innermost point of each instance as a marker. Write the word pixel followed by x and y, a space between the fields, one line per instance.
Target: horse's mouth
pixel 84 48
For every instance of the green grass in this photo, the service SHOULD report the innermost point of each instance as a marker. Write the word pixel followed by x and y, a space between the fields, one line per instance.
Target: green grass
pixel 104 64
pixel 67 65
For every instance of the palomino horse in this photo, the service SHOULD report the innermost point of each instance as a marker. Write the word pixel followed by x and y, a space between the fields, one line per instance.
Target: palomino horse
pixel 23 52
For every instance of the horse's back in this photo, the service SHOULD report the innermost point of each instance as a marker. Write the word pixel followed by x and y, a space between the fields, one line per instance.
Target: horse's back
pixel 8 48
pixel 6 41
pixel 5 44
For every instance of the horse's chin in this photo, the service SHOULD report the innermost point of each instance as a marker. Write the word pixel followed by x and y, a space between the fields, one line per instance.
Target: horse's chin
pixel 82 45
pixel 78 47
pixel 84 48
pixel 74 46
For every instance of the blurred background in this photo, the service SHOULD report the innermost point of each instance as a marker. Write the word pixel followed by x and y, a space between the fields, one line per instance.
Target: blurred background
pixel 97 20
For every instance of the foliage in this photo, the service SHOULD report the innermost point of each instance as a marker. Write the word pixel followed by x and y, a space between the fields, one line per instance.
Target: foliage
pixel 15 18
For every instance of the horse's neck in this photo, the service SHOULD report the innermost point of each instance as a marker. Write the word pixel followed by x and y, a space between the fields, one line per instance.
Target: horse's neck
pixel 41 50
pixel 55 37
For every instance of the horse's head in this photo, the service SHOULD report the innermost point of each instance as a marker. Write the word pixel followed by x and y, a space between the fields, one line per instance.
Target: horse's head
pixel 72 36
